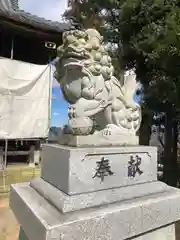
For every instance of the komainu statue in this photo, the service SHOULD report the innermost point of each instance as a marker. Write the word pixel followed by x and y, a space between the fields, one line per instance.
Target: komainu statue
pixel 101 108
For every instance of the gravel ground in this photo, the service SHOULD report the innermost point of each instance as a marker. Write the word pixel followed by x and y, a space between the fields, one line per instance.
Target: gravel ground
pixel 9 227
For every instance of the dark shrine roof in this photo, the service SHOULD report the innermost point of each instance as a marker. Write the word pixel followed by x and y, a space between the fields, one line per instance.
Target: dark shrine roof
pixel 9 10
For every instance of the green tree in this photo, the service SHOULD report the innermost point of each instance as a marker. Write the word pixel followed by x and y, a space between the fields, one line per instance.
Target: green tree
pixel 147 36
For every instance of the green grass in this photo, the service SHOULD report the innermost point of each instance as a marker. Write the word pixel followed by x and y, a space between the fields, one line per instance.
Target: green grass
pixel 15 174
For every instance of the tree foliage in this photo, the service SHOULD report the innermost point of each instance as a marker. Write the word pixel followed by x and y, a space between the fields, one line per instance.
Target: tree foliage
pixel 147 34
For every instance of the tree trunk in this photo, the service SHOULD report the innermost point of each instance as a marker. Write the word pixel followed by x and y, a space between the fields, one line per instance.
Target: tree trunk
pixel 174 155
pixel 145 129
pixel 170 151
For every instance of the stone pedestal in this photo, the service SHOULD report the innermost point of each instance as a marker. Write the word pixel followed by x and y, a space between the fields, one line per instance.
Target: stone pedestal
pixel 98 140
pixel 96 193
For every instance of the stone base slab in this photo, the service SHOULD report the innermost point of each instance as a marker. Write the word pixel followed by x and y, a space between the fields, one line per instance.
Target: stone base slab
pixel 67 203
pixel 129 219
pixel 98 140
pixel 76 170
pixel 164 233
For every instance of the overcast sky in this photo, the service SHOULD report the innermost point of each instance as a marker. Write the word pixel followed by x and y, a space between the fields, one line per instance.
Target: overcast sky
pixel 49 9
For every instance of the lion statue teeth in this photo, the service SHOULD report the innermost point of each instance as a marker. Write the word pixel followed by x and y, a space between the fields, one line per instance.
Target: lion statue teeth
pixel 99 103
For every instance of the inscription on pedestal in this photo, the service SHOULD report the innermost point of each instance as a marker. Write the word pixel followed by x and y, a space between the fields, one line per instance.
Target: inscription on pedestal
pixel 134 166
pixel 103 169
pixel 114 170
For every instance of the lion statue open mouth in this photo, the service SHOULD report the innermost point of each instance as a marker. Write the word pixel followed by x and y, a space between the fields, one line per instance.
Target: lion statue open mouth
pixel 98 102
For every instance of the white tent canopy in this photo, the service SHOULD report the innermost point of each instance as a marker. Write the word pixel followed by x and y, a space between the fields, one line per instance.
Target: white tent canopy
pixel 25 99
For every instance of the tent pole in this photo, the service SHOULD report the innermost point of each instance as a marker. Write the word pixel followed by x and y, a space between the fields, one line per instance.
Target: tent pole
pixel 5 156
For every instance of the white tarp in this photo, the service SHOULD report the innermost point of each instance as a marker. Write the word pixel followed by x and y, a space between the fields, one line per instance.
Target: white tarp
pixel 25 93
